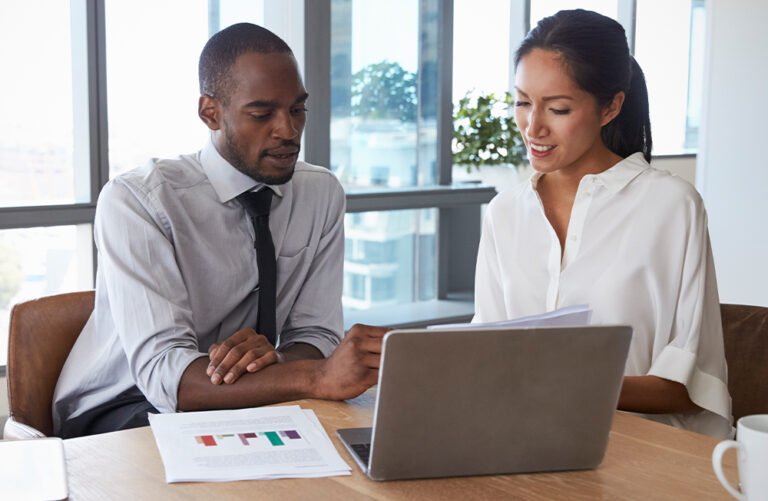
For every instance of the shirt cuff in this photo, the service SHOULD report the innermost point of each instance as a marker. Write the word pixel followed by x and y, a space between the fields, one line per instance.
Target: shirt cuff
pixel 319 341
pixel 705 390
pixel 182 358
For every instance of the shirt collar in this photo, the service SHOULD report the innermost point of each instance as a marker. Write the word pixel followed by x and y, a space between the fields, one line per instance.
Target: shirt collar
pixel 227 181
pixel 615 178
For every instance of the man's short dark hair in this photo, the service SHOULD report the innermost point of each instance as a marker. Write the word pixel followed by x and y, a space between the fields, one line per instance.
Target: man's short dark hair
pixel 223 48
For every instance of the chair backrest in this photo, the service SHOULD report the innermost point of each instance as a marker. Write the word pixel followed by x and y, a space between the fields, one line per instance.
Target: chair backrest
pixel 41 335
pixel 745 332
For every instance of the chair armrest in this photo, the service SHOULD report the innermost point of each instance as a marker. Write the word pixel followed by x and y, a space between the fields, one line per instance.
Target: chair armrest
pixel 13 430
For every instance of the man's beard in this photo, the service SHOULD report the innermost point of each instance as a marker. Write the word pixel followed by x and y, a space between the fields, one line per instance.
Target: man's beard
pixel 235 157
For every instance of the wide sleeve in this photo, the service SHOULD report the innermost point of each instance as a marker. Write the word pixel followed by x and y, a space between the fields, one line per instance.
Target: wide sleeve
pixel 316 317
pixel 489 293
pixel 147 295
pixel 694 353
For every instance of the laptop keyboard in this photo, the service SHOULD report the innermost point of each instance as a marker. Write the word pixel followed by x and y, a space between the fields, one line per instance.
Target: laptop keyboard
pixel 363 451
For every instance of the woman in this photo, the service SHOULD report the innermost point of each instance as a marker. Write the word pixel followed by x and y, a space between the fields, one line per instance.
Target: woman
pixel 598 225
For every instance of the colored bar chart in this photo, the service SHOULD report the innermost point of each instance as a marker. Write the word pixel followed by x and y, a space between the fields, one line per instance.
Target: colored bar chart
pixel 245 436
pixel 275 437
pixel 206 440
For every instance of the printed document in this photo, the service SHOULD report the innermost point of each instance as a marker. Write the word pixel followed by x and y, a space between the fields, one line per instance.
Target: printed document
pixel 570 316
pixel 257 443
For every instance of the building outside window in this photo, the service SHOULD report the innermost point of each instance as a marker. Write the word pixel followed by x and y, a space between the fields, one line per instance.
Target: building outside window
pixel 384 135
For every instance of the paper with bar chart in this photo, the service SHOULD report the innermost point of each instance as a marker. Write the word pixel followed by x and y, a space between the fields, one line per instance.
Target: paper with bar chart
pixel 260 443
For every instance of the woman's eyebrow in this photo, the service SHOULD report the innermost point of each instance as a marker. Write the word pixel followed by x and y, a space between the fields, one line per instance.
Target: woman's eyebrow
pixel 548 98
pixel 559 96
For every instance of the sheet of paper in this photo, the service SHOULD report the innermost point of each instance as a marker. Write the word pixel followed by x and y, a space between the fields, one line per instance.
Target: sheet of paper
pixel 258 443
pixel 569 316
pixel 33 469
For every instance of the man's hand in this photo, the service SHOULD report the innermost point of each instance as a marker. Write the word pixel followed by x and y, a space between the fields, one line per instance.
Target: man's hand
pixel 353 367
pixel 243 351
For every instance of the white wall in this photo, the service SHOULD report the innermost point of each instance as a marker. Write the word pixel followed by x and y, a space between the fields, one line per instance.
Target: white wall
pixel 732 170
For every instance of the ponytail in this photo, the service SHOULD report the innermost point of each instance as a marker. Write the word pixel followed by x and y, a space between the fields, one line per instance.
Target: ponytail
pixel 630 131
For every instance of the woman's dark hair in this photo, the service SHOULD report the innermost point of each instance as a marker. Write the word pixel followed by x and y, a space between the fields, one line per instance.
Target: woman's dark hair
pixel 594 49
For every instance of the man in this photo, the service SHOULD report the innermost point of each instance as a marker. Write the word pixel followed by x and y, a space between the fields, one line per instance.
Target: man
pixel 184 274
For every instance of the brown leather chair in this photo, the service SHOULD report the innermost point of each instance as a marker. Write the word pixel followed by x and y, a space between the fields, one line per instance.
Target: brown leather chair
pixel 41 335
pixel 745 332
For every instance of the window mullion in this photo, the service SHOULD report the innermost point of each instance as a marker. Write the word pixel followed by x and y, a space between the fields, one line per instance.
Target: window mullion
pixel 444 93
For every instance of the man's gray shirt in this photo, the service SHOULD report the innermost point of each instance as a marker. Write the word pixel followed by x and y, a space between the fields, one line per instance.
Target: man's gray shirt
pixel 177 272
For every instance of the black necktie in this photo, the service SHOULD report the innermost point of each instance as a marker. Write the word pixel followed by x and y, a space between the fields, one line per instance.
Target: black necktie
pixel 257 205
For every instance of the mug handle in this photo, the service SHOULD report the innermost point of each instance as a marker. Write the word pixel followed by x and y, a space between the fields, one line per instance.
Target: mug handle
pixel 717 464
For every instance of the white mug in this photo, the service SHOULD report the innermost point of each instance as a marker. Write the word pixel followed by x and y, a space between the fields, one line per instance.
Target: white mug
pixel 752 448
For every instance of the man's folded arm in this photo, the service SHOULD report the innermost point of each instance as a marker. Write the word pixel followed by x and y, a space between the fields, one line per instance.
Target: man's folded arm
pixel 350 370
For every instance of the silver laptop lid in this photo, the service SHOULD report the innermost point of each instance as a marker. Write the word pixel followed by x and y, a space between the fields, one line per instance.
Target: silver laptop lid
pixel 499 400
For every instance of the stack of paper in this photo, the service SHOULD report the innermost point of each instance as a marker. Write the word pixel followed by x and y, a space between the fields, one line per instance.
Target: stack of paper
pixel 564 317
pixel 261 443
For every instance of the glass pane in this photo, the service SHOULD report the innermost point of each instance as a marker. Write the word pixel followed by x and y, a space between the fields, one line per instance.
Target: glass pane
pixel 152 82
pixel 544 8
pixel 480 56
pixel 36 262
pixel 38 144
pixel 384 92
pixel 671 64
pixel 389 258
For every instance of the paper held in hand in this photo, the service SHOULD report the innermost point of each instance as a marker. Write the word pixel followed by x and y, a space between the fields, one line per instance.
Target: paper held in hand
pixel 245 444
pixel 570 316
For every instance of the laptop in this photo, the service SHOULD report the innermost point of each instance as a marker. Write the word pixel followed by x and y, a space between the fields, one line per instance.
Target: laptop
pixel 492 401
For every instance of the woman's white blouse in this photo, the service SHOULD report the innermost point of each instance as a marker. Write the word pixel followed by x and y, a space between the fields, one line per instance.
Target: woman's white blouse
pixel 638 252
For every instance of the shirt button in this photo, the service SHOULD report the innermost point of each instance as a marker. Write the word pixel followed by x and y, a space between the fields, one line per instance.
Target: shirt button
pixel 574 238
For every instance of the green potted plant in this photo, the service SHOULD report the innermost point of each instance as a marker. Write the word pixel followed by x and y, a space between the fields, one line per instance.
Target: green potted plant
pixel 484 135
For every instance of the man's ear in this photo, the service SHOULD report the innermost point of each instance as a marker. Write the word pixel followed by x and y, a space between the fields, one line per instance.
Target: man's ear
pixel 613 109
pixel 209 111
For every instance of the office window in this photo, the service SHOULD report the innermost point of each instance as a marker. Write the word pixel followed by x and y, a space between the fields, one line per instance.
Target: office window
pixel 152 51
pixel 673 67
pixel 37 262
pixel 43 137
pixel 152 82
pixel 481 56
pixel 384 93
pixel 383 132
pixel 390 258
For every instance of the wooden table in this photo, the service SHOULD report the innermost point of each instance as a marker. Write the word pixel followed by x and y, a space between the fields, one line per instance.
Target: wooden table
pixel 645 460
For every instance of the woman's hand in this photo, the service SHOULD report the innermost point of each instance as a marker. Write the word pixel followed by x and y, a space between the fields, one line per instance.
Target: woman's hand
pixel 244 351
